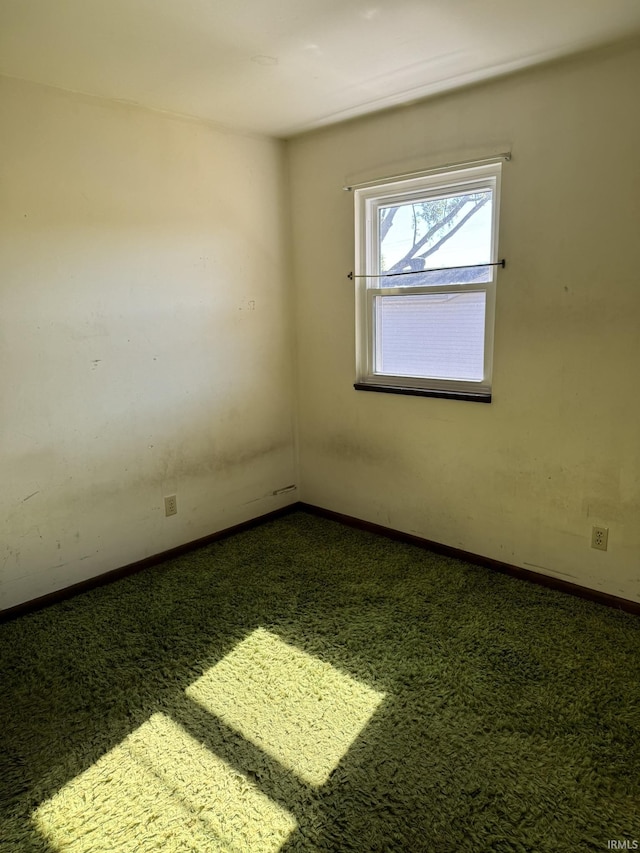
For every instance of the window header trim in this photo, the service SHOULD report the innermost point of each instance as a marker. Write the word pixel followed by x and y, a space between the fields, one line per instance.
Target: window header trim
pixel 446 167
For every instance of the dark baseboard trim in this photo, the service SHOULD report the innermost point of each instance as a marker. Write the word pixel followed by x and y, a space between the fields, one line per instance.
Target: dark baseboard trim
pixel 505 568
pixel 390 533
pixel 131 569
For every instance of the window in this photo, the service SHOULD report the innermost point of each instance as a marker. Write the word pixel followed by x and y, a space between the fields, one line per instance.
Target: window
pixel 426 256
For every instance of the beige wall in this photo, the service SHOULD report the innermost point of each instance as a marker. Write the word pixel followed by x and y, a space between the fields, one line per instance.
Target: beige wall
pixel 523 479
pixel 146 343
pixel 144 335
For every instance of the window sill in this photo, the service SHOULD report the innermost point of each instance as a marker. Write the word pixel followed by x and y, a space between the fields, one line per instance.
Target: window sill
pixel 422 392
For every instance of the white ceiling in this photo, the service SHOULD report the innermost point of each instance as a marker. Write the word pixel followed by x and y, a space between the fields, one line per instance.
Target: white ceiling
pixel 282 66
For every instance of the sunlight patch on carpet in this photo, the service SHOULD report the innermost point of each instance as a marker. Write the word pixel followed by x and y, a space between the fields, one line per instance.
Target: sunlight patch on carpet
pixel 161 790
pixel 298 709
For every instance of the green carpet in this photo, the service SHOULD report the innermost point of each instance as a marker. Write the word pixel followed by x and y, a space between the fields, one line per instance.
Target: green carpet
pixel 303 686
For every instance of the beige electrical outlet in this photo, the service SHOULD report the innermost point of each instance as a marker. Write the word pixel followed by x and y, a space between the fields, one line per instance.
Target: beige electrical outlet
pixel 599 538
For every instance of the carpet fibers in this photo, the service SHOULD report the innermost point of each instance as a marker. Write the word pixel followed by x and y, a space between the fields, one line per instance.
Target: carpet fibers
pixel 304 686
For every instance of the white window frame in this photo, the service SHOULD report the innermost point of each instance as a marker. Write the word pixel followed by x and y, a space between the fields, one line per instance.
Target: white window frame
pixel 370 286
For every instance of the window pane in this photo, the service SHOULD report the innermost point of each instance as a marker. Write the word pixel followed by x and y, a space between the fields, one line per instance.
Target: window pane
pixel 451 231
pixel 439 335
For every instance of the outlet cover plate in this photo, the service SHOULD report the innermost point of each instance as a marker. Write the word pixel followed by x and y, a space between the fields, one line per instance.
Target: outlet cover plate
pixel 599 538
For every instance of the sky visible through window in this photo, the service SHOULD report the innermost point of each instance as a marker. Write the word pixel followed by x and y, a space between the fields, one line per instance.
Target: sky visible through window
pixel 470 245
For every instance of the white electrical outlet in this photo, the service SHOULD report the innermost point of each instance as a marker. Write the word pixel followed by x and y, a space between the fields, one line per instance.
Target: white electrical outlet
pixel 171 505
pixel 599 538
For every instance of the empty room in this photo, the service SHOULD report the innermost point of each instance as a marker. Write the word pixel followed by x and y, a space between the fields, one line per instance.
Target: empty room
pixel 320 518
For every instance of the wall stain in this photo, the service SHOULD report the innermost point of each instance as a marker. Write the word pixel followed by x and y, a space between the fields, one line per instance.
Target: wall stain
pixel 213 461
pixel 346 447
pixel 240 458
